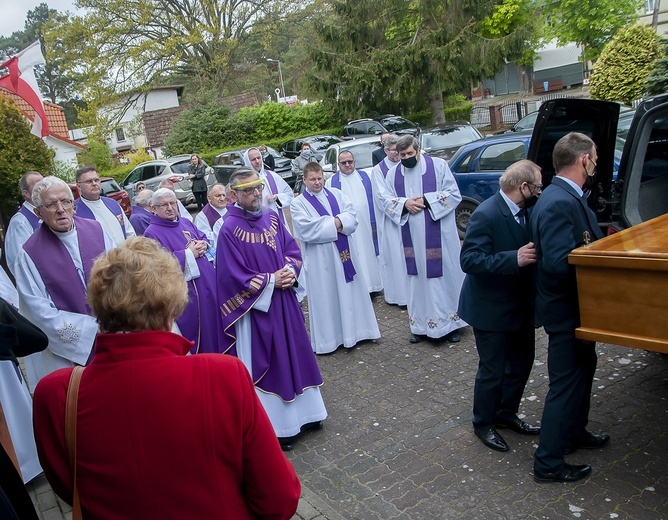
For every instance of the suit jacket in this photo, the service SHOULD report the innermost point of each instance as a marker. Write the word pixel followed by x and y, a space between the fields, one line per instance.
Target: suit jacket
pixel 497 295
pixel 560 222
pixel 378 155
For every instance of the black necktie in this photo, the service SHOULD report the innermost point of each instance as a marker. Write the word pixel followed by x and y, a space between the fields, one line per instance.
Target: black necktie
pixel 521 216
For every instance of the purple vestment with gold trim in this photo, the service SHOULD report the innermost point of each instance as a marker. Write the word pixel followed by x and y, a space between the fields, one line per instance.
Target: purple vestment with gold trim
pixel 252 247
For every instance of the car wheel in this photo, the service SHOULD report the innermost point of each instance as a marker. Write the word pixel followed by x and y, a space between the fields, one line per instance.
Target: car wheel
pixel 462 215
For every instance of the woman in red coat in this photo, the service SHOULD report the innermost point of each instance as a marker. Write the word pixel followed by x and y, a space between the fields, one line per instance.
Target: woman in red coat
pixel 159 434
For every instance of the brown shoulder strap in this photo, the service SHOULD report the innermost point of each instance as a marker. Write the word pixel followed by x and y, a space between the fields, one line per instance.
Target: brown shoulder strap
pixel 71 434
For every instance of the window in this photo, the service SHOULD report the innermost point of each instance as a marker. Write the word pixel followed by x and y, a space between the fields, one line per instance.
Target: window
pixel 498 157
pixel 134 176
pixel 120 134
pixel 375 128
pixel 465 164
pixel 149 172
pixel 649 6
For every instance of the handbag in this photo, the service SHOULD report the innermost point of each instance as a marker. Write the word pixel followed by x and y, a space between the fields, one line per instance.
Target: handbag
pixel 71 435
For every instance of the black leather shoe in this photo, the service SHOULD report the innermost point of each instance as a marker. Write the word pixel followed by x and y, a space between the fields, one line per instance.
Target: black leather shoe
pixel 491 438
pixel 518 425
pixel 416 338
pixel 317 425
pixel 590 441
pixel 568 473
pixel 287 443
pixel 454 337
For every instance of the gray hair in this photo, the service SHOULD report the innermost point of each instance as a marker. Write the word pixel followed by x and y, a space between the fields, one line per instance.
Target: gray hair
pixel 217 184
pixel 518 173
pixel 241 173
pixel 144 198
pixel 390 140
pixel 162 193
pixel 46 184
pixel 406 141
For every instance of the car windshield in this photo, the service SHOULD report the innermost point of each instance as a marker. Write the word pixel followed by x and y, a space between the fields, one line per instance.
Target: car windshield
pixel 448 138
pixel 526 123
pixel 323 142
pixel 396 123
pixel 362 153
pixel 110 186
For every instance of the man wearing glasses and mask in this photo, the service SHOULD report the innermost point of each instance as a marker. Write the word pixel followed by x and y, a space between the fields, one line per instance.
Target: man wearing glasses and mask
pixel 497 301
pixel 560 222
pixel 92 205
pixel 52 272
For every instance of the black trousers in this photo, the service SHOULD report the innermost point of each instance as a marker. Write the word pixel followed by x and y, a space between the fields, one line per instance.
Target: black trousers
pixel 505 362
pixel 571 364
pixel 200 198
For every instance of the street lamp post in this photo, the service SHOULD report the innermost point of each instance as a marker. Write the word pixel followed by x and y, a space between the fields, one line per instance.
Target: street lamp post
pixel 280 74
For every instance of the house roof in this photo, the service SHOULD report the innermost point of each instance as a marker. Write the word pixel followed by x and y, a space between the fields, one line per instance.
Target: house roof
pixel 55 115
pixel 158 123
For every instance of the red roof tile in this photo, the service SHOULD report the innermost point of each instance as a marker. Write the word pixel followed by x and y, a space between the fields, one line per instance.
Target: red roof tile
pixel 55 114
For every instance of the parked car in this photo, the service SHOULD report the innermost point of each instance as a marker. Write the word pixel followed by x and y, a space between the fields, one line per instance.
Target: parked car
pixel 360 148
pixel 379 125
pixel 477 167
pixel 525 124
pixel 444 140
pixel 319 143
pixel 225 163
pixel 111 189
pixel 175 169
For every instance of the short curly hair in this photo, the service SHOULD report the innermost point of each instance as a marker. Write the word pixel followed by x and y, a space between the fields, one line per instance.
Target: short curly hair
pixel 137 286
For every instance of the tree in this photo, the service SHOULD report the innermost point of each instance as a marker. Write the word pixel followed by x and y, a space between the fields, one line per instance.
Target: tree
pixel 625 63
pixel 125 45
pixel 589 23
pixel 657 81
pixel 376 54
pixel 20 151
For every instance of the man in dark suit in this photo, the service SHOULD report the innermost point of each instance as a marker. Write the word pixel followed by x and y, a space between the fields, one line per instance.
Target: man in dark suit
pixel 379 153
pixel 497 301
pixel 561 222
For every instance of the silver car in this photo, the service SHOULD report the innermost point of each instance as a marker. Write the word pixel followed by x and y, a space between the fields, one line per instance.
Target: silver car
pixel 360 148
pixel 175 169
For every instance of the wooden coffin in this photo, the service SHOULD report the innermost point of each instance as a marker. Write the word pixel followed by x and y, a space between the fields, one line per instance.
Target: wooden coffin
pixel 623 287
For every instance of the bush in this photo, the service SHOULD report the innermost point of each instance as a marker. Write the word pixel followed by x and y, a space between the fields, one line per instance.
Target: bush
pixel 626 61
pixel 97 155
pixel 204 129
pixel 657 81
pixel 21 152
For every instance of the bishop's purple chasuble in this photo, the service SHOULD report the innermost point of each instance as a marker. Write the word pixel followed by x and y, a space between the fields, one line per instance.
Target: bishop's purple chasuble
pixel 252 247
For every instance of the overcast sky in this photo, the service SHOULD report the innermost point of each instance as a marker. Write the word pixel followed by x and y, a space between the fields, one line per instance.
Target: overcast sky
pixel 14 12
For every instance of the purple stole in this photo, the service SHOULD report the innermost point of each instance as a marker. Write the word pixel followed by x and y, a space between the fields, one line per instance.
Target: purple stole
pixel 341 240
pixel 366 181
pixel 434 252
pixel 56 267
pixel 113 206
pixel 211 214
pixel 32 218
pixel 384 168
pixel 274 191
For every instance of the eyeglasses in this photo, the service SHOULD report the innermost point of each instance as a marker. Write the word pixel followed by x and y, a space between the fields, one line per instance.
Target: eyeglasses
pixel 592 161
pixel 90 182
pixel 53 206
pixel 251 191
pixel 346 163
pixel 173 204
pixel 537 186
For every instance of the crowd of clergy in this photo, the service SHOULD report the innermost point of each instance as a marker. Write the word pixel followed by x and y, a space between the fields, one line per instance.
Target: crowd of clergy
pixel 351 238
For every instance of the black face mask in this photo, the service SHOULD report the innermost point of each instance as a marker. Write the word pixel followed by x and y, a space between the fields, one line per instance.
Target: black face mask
pixel 410 162
pixel 589 183
pixel 529 201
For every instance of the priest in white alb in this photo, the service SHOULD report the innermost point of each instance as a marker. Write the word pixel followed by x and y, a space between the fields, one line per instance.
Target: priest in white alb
pixel 391 258
pixel 340 308
pixel 357 185
pixel 424 197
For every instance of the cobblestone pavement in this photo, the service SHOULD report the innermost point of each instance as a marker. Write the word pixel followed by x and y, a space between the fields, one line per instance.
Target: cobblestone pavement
pixel 398 442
